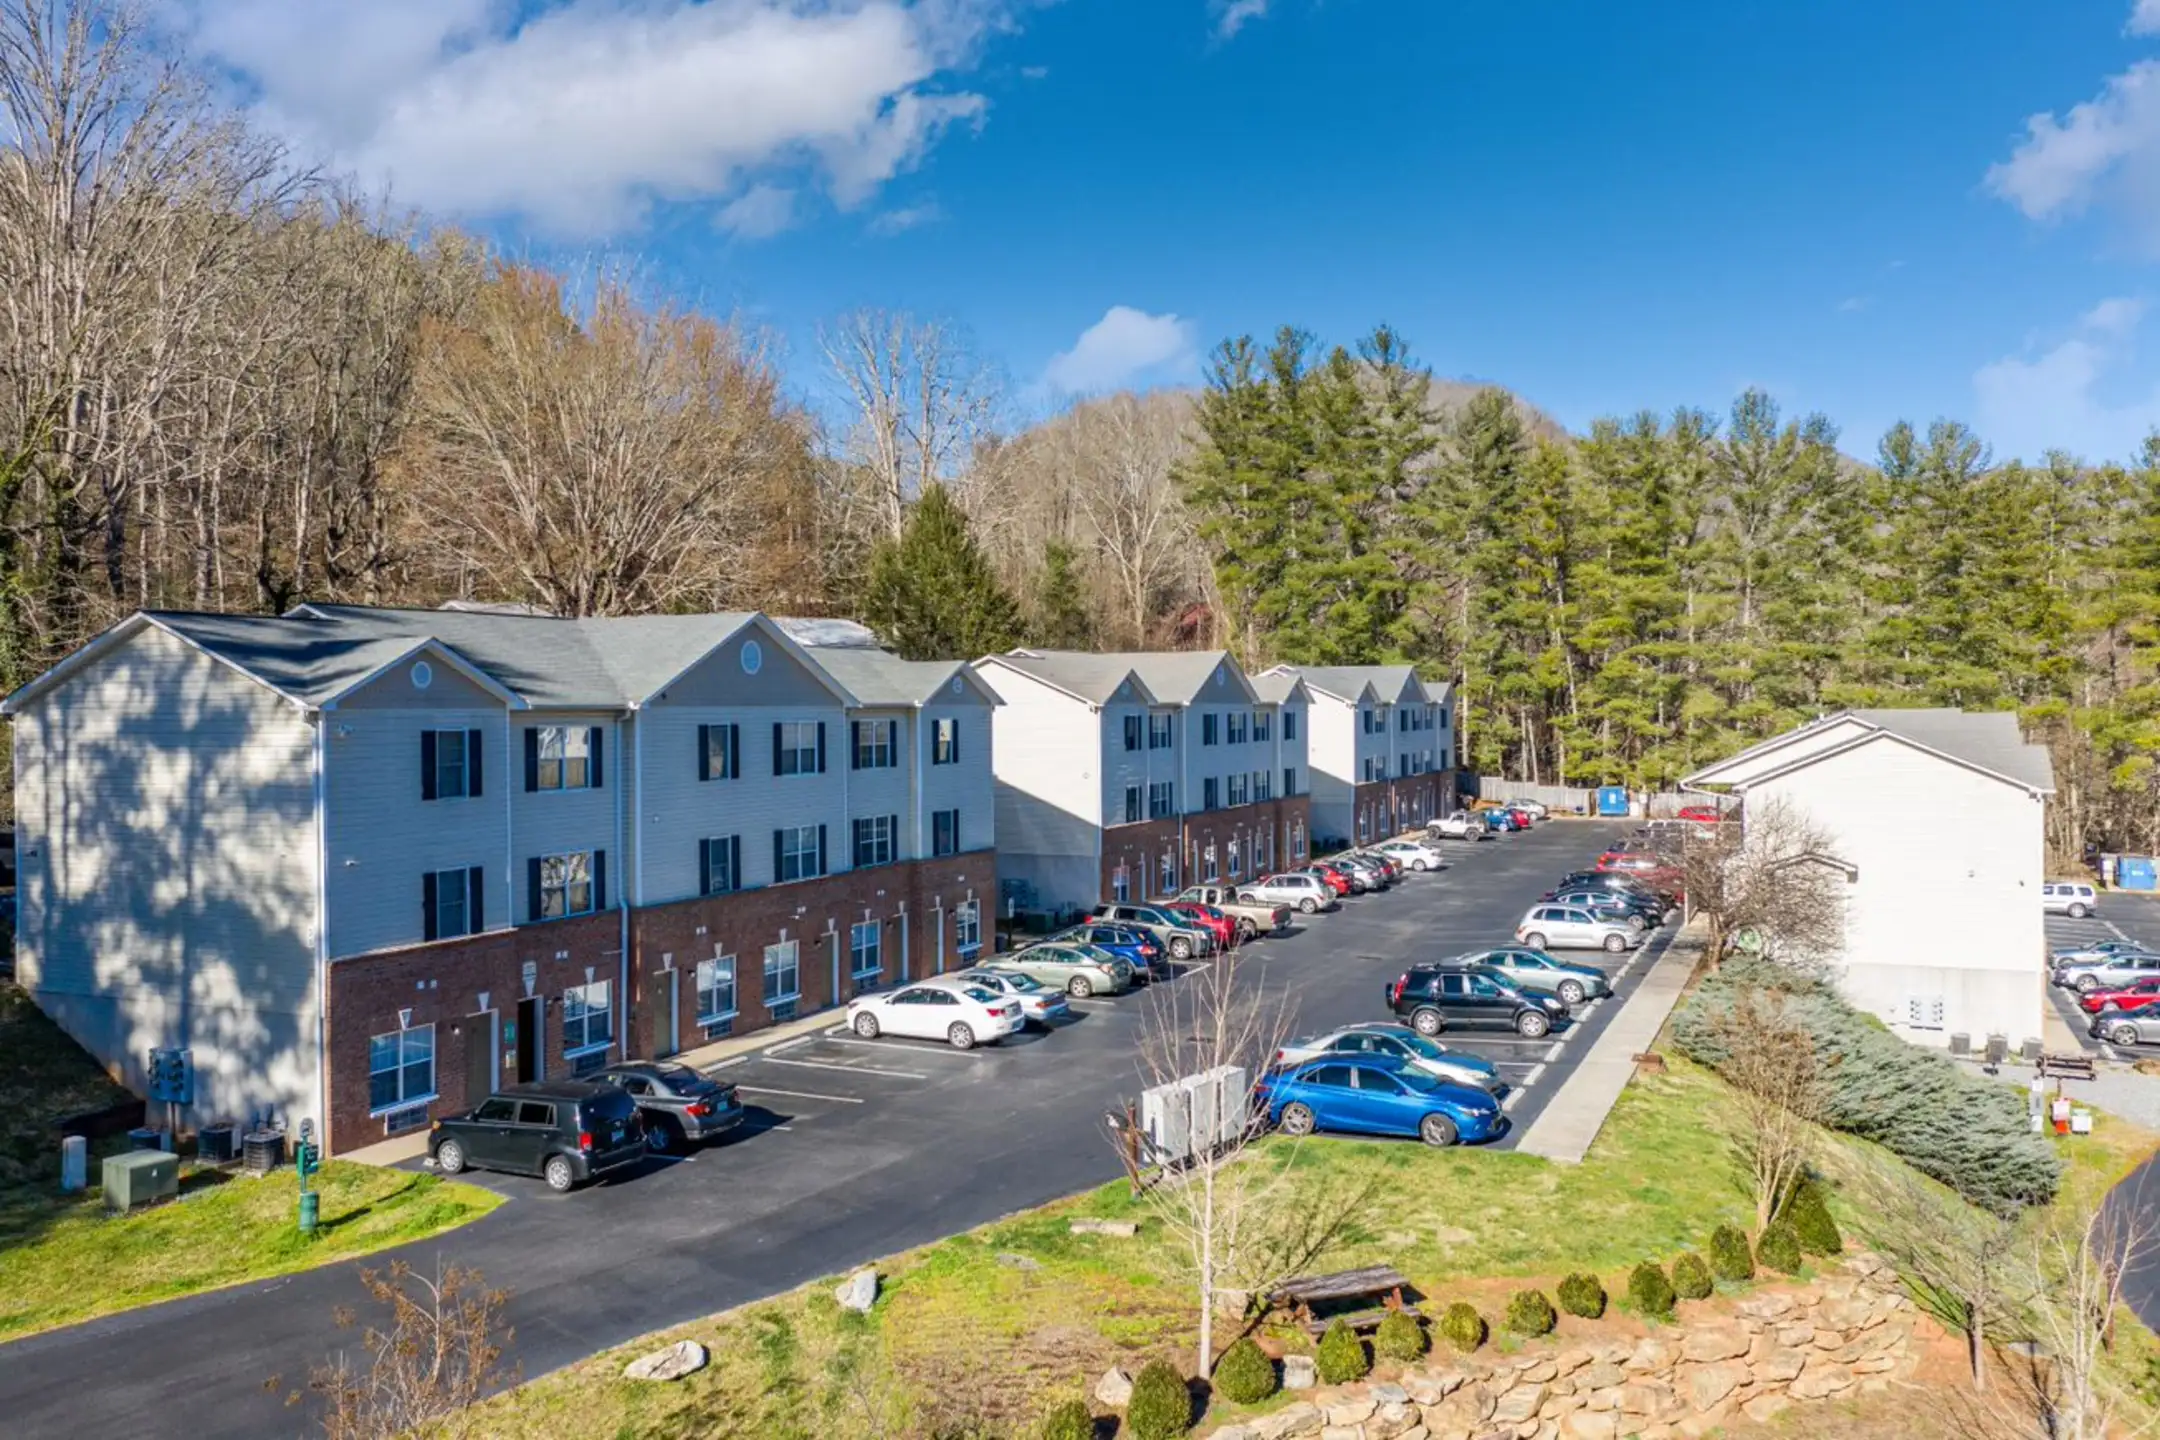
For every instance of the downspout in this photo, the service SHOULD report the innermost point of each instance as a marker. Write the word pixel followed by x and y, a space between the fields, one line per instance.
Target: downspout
pixel 322 930
pixel 635 877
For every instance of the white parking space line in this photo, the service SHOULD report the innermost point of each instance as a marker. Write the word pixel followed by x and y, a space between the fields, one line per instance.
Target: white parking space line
pixel 801 1094
pixel 850 1069
pixel 946 1054
pixel 1531 1079
pixel 1554 1053
pixel 787 1045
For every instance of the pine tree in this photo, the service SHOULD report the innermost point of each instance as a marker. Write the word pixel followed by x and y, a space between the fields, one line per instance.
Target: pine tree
pixel 1060 618
pixel 932 594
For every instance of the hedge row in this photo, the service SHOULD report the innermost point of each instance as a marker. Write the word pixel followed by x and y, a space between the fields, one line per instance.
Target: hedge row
pixel 1939 1117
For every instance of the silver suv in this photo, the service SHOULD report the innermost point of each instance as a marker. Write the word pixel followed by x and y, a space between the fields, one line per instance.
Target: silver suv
pixel 1308 892
pixel 1571 927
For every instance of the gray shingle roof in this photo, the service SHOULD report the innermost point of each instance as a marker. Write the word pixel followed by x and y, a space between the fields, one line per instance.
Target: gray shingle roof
pixel 1347 682
pixel 1988 740
pixel 878 678
pixel 1093 678
pixel 1275 686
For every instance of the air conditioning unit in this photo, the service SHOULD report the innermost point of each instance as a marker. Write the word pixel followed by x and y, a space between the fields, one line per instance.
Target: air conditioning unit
pixel 1166 1120
pixel 1204 1101
pixel 217 1144
pixel 264 1151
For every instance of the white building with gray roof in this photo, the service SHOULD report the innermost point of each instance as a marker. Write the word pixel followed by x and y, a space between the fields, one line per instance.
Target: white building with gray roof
pixel 1383 749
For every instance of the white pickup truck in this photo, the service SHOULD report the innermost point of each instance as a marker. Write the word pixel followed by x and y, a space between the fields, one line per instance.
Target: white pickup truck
pixel 1253 916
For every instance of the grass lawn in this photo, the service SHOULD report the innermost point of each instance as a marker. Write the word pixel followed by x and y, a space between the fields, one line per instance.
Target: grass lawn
pixel 62 1259
pixel 990 1326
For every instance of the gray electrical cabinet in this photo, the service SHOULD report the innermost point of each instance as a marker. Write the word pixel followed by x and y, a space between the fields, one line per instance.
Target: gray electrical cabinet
pixel 140 1177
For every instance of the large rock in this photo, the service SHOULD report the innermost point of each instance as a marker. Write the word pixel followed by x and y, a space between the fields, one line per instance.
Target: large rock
pixel 1570 1361
pixel 1430 1387
pixel 1460 1413
pixel 1519 1404
pixel 858 1292
pixel 1650 1355
pixel 1708 1384
pixel 1847 1312
pixel 1705 1346
pixel 684 1357
pixel 1290 1421
pixel 1114 1389
pixel 1387 1392
pixel 1762 1409
pixel 1351 1410
pixel 1828 1339
pixel 1591 1425
pixel 1820 1381
pixel 1780 1365
pixel 1773 1306
pixel 1600 1376
pixel 1299 1372
pixel 1796 1334
pixel 1342 1432
pixel 1645 1397
pixel 1393 1419
pixel 1540 1371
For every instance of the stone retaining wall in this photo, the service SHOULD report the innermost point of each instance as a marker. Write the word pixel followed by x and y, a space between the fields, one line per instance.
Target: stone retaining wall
pixel 1851 1331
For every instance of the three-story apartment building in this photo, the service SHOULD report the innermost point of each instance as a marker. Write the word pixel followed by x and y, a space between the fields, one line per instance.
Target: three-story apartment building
pixel 1383 751
pixel 363 864
pixel 1133 775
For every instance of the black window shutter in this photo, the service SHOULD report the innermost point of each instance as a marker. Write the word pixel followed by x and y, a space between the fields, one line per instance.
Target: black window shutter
pixel 734 751
pixel 599 879
pixel 892 742
pixel 734 864
pixel 472 764
pixel 821 849
pixel 894 821
pixel 821 747
pixel 776 747
pixel 532 881
pixel 427 906
pixel 704 863
pixel 475 897
pixel 856 731
pixel 954 758
pixel 427 764
pixel 704 752
pixel 532 758
pixel 776 873
pixel 593 744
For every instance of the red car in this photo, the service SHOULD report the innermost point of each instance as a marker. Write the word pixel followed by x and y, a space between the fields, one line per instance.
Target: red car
pixel 1334 879
pixel 1221 926
pixel 1701 814
pixel 2129 997
pixel 1650 869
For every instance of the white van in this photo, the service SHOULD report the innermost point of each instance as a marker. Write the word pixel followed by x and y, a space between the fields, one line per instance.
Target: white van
pixel 2067 897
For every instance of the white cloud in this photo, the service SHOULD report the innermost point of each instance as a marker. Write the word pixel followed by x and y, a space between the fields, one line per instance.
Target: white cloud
pixel 2145 18
pixel 1232 16
pixel 2063 399
pixel 581 115
pixel 2104 151
pixel 1854 304
pixel 759 213
pixel 1124 347
pixel 907 217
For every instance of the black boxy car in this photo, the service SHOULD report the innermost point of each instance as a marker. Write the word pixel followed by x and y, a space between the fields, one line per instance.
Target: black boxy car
pixel 679 1106
pixel 1432 997
pixel 564 1131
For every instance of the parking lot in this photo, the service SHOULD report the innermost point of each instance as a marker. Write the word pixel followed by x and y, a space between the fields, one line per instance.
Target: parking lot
pixel 853 1149
pixel 2121 917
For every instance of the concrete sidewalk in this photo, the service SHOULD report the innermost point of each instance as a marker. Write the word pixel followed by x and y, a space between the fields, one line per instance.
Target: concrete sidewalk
pixel 1570 1121
pixel 403 1148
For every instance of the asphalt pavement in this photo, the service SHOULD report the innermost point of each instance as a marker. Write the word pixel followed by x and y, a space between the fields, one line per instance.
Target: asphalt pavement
pixel 854 1149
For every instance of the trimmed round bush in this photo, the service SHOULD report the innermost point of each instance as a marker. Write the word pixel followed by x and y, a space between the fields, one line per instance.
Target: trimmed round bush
pixel 1342 1356
pixel 1807 1210
pixel 1245 1374
pixel 1161 1407
pixel 1069 1420
pixel 1582 1294
pixel 1779 1248
pixel 1648 1291
pixel 1462 1326
pixel 1400 1337
pixel 1730 1258
pixel 1691 1277
pixel 1530 1313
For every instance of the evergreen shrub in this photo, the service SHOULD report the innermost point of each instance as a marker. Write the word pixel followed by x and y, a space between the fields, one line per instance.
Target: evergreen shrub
pixel 1649 1292
pixel 1530 1313
pixel 1583 1294
pixel 1161 1407
pixel 1779 1248
pixel 1400 1337
pixel 1342 1356
pixel 1245 1374
pixel 1691 1277
pixel 1463 1326
pixel 1069 1420
pixel 1730 1256
pixel 1807 1210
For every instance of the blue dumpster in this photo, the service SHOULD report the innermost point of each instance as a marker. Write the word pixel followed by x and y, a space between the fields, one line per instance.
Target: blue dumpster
pixel 1612 800
pixel 2135 872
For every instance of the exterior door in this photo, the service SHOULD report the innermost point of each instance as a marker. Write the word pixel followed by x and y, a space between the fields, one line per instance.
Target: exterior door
pixel 532 1025
pixel 480 1051
pixel 671 1039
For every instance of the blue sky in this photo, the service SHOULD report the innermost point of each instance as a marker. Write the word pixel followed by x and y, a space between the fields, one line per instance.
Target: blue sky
pixel 1914 209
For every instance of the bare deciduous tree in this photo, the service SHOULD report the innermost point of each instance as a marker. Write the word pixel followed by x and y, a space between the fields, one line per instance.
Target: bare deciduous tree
pixel 1773 1069
pixel 1772 876
pixel 920 403
pixel 438 1351
pixel 1959 1261
pixel 2074 1263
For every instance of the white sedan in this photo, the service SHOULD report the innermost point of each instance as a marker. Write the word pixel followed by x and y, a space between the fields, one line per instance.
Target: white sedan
pixel 1413 854
pixel 961 1014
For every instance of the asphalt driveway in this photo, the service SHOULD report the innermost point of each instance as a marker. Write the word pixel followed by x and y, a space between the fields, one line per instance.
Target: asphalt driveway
pixel 855 1149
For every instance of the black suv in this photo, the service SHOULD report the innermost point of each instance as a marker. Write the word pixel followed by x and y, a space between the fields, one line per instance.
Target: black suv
pixel 1431 997
pixel 564 1131
pixel 677 1104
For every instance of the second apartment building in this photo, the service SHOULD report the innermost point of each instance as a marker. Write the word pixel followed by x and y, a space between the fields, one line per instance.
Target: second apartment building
pixel 1131 776
pixel 1383 749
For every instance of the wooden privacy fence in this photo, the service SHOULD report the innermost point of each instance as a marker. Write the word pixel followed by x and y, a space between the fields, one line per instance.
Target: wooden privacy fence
pixel 1566 799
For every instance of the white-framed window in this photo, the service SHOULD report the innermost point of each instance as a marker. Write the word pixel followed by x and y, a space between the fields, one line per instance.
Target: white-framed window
pixel 565 885
pixel 1239 787
pixel 1211 793
pixel 587 1021
pixel 876 838
pixel 1263 785
pixel 876 744
pixel 562 757
pixel 1121 883
pixel 945 741
pixel 451 903
pixel 1260 726
pixel 1132 804
pixel 967 927
pixel 1161 730
pixel 796 746
pixel 1132 732
pixel 1209 873
pixel 1210 727
pixel 1289 724
pixel 401 1069
pixel 719 752
pixel 1162 799
pixel 1237 861
pixel 1297 839
pixel 783 973
pixel 866 949
pixel 449 764
pixel 716 989
pixel 1236 726
pixel 1289 781
pixel 944 832
pixel 1166 874
pixel 796 852
pixel 720 865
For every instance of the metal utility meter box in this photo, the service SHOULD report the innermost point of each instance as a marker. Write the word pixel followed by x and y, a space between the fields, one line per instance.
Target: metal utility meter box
pixel 138 1178
pixel 1166 1117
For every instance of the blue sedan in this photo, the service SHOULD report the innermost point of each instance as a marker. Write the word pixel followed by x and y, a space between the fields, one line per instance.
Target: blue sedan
pixel 1135 946
pixel 1374 1095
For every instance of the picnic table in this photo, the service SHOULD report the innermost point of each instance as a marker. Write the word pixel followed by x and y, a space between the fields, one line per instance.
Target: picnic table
pixel 2071 1067
pixel 1311 1300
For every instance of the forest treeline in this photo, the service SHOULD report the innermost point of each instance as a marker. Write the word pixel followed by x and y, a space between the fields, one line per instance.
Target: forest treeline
pixel 231 382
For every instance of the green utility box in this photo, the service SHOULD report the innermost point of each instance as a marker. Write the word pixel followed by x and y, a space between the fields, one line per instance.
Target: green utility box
pixel 140 1177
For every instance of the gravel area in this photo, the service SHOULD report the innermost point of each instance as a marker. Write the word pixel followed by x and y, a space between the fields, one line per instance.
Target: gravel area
pixel 2126 1093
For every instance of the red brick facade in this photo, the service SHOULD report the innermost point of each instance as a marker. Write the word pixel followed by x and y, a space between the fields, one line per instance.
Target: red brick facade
pixel 1138 850
pixel 470 990
pixel 1267 837
pixel 1388 807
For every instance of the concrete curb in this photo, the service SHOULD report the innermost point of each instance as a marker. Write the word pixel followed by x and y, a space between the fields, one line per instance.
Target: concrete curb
pixel 1565 1129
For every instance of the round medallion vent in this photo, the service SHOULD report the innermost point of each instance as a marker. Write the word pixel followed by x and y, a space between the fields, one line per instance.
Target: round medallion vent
pixel 423 675
pixel 753 657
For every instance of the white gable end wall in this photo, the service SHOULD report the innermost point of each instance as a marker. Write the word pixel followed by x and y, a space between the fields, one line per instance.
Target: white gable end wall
pixel 1048 755
pixel 1943 924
